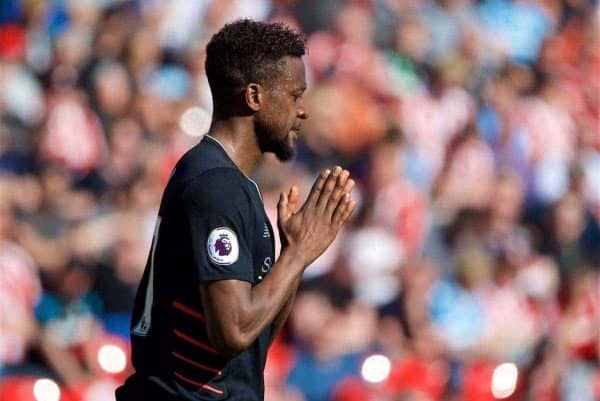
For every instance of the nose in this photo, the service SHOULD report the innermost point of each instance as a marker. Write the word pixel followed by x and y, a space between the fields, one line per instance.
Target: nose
pixel 302 113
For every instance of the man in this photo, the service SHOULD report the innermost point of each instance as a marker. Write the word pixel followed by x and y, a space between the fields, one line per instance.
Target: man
pixel 211 299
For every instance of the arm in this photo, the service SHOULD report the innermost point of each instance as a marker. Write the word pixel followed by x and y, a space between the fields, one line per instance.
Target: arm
pixel 293 203
pixel 236 312
pixel 284 313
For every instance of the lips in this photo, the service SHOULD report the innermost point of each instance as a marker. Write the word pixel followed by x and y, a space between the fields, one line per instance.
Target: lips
pixel 295 133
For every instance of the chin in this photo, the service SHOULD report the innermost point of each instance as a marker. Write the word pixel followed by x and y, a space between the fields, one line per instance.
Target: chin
pixel 285 154
pixel 282 147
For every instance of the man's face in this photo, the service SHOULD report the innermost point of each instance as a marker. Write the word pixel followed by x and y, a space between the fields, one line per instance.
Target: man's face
pixel 278 123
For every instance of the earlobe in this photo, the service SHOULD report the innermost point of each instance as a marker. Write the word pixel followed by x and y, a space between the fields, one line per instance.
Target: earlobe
pixel 254 96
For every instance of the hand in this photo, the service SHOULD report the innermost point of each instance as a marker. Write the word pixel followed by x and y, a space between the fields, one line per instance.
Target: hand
pixel 309 230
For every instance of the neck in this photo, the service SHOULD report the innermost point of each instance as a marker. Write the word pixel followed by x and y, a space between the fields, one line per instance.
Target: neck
pixel 237 136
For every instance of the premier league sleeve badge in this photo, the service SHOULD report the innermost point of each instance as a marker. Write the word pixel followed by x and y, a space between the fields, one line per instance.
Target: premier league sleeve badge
pixel 222 246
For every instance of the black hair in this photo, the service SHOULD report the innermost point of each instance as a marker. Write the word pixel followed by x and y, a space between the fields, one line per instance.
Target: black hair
pixel 247 51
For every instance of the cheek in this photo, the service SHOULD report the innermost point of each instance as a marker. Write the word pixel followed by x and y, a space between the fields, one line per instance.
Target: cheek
pixel 285 111
pixel 289 116
pixel 280 116
pixel 292 115
pixel 281 121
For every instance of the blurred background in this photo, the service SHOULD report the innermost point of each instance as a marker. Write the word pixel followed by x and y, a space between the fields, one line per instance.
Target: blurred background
pixel 471 270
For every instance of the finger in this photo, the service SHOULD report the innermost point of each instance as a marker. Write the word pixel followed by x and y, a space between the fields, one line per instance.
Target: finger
pixel 338 192
pixel 282 206
pixel 349 185
pixel 348 212
pixel 347 189
pixel 293 189
pixel 328 188
pixel 340 210
pixel 293 199
pixel 317 187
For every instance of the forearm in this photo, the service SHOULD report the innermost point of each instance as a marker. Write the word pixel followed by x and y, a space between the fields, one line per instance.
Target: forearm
pixel 274 294
pixel 284 313
pixel 235 318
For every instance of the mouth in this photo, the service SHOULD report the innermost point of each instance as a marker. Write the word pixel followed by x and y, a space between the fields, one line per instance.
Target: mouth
pixel 295 132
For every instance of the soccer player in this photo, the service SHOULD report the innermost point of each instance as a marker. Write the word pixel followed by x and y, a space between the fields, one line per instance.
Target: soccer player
pixel 212 296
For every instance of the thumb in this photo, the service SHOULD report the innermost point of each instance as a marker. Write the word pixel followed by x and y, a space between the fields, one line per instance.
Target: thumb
pixel 282 206
pixel 293 199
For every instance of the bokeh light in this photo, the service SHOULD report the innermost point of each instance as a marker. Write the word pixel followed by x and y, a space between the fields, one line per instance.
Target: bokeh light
pixel 376 368
pixel 112 358
pixel 46 390
pixel 504 380
pixel 195 121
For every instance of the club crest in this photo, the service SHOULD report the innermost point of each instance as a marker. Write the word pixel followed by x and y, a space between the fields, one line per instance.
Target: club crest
pixel 222 246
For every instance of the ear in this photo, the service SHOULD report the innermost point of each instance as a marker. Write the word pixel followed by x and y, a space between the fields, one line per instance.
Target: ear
pixel 255 96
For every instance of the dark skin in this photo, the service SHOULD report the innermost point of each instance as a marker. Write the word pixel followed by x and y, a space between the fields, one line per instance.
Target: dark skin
pixel 236 313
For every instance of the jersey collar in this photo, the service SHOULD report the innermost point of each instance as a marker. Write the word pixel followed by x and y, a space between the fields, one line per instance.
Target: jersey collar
pixel 223 148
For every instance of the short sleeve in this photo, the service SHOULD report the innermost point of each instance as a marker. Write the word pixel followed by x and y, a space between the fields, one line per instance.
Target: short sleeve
pixel 217 207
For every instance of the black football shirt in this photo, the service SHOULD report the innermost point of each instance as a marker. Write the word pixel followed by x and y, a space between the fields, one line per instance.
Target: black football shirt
pixel 211 226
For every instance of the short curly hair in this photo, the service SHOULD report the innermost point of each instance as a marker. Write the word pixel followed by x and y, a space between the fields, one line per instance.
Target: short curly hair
pixel 247 51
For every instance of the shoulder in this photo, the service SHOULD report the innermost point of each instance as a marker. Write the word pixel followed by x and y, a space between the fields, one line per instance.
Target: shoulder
pixel 202 157
pixel 216 188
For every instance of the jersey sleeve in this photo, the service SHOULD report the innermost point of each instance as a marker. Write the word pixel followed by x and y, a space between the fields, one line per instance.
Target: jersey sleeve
pixel 217 207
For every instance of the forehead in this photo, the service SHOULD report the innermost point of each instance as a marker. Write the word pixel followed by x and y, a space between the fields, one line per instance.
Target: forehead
pixel 291 72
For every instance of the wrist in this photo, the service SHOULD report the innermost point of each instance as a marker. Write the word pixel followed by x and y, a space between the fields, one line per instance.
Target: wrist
pixel 294 256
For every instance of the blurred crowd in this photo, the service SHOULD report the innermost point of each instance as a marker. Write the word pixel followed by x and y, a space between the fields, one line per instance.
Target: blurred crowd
pixel 471 127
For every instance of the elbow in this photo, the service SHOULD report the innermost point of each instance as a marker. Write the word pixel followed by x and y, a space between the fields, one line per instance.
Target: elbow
pixel 233 346
pixel 230 343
